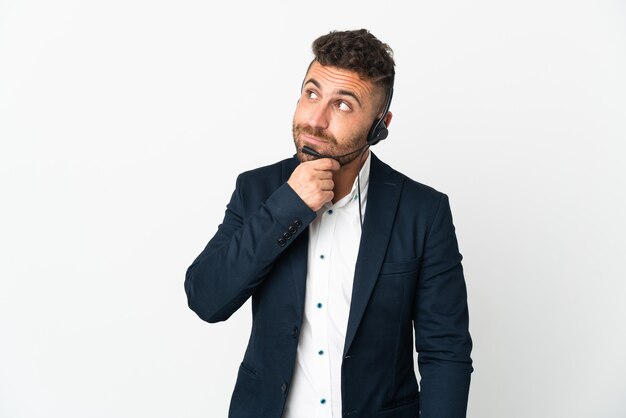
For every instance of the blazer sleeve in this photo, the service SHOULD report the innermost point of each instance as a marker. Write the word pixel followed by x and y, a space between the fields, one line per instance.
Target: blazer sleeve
pixel 442 336
pixel 237 259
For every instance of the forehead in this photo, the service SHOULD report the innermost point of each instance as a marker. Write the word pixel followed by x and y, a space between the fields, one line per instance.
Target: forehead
pixel 334 78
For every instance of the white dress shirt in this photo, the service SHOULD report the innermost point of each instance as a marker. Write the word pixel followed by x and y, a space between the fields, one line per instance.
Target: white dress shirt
pixel 334 238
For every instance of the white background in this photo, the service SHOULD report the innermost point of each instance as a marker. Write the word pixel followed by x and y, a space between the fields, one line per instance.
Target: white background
pixel 123 125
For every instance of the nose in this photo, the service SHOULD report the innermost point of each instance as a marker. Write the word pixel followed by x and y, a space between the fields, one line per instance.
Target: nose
pixel 318 117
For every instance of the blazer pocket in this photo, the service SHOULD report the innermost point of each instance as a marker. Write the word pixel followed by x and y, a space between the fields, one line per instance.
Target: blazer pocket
pixel 408 409
pixel 400 267
pixel 245 398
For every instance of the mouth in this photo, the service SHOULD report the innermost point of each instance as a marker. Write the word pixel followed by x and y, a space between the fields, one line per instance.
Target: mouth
pixel 312 139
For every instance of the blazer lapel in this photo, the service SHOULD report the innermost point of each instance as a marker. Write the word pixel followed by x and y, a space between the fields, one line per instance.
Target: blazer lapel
pixel 384 189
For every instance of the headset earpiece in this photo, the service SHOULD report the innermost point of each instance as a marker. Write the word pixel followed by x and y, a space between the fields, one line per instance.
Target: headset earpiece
pixel 377 133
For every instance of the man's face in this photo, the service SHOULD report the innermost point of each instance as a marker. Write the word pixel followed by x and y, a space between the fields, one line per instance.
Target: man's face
pixel 334 113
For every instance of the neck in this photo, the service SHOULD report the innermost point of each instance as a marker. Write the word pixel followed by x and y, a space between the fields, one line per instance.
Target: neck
pixel 345 176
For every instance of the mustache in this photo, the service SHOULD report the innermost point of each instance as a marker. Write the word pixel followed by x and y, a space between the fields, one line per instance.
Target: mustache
pixel 316 132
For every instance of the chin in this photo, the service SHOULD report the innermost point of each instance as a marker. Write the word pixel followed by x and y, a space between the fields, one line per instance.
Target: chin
pixel 304 157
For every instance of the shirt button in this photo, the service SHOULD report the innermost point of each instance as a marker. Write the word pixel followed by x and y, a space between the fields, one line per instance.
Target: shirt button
pixel 322 401
pixel 330 211
pixel 319 305
pixel 321 352
pixel 322 256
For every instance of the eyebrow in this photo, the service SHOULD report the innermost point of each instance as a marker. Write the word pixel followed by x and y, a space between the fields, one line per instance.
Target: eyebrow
pixel 340 92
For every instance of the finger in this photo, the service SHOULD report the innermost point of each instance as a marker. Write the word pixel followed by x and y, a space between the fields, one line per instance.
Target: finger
pixel 326 184
pixel 324 175
pixel 325 164
pixel 335 165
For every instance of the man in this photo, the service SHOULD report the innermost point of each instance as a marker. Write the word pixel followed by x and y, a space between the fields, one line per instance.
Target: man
pixel 343 257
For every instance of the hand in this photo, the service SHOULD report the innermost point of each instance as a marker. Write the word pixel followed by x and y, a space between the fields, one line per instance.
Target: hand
pixel 313 182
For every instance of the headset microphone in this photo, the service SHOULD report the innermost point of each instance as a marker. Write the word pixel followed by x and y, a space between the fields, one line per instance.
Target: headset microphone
pixel 308 150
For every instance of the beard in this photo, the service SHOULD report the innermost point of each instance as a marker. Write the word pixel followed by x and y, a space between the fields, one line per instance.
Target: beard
pixel 332 145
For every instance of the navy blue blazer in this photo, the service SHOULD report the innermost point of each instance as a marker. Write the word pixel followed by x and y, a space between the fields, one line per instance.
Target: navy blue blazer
pixel 408 277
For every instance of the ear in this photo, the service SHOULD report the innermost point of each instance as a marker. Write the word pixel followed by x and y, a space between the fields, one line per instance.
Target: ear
pixel 388 119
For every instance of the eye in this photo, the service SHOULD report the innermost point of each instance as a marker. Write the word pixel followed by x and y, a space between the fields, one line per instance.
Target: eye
pixel 344 107
pixel 311 95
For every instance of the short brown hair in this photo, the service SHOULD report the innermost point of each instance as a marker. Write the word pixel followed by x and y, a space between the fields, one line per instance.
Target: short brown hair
pixel 358 51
